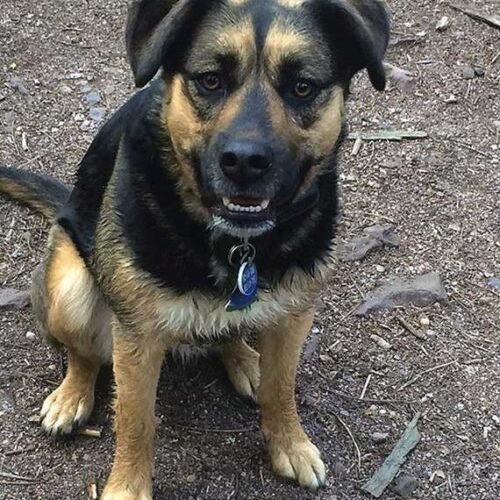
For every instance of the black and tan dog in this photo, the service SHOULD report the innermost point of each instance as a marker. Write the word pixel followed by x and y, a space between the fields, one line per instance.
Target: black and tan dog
pixel 234 144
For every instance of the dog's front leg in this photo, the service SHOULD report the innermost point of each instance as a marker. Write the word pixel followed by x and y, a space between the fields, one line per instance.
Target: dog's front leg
pixel 137 360
pixel 292 454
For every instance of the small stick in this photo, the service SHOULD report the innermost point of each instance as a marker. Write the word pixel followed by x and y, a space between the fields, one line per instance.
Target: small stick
pixel 417 333
pixel 19 451
pixel 419 376
pixel 469 147
pixel 92 432
pixel 8 475
pixel 372 400
pixel 354 442
pixel 492 21
pixel 357 146
pixel 387 135
pixel 222 431
pixel 363 392
pixel 387 472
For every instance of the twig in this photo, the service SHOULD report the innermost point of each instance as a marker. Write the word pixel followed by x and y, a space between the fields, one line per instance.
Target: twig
pixel 492 21
pixel 417 333
pixel 469 147
pixel 387 135
pixel 367 383
pixel 372 400
pixel 419 376
pixel 387 472
pixel 88 431
pixel 8 475
pixel 19 451
pixel 201 430
pixel 18 483
pixel 354 442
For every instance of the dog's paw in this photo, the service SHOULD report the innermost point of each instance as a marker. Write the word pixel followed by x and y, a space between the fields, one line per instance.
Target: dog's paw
pixel 300 461
pixel 242 366
pixel 66 408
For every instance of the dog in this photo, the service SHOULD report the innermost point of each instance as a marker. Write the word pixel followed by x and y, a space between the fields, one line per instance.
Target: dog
pixel 204 209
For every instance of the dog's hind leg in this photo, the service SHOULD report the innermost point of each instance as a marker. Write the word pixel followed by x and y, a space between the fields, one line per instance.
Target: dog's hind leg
pixel 71 313
pixel 242 366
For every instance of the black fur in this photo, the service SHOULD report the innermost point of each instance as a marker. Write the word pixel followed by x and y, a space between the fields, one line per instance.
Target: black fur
pixel 167 241
pixel 36 190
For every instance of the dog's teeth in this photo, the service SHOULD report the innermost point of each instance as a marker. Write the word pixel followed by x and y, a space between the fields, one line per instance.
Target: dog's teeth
pixel 245 208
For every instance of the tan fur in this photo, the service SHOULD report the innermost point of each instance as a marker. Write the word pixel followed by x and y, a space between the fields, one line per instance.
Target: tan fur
pixel 281 41
pixel 77 315
pixel 292 454
pixel 242 366
pixel 137 360
pixel 72 402
pixel 291 4
pixel 24 195
pixel 238 39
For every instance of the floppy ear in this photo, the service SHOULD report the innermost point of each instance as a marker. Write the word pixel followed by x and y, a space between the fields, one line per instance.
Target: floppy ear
pixel 155 29
pixel 360 32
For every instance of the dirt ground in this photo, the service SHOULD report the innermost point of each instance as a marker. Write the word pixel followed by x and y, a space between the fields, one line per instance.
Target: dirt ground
pixel 442 195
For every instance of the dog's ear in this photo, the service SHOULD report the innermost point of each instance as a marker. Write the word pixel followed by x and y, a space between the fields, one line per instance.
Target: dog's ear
pixel 155 29
pixel 360 32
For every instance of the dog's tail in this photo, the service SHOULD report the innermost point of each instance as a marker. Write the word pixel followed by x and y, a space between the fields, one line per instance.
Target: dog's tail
pixel 39 192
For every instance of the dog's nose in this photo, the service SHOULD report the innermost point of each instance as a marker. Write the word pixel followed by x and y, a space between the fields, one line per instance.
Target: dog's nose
pixel 245 161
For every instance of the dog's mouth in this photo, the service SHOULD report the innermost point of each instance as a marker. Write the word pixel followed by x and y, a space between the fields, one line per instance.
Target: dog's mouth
pixel 243 216
pixel 245 208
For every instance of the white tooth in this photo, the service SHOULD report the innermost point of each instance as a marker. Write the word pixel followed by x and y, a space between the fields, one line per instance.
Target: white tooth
pixel 264 204
pixel 251 209
pixel 258 209
pixel 226 201
pixel 231 206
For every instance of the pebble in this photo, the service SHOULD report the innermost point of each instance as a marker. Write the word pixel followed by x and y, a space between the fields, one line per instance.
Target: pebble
pixel 97 114
pixel 65 89
pixel 191 478
pixel 92 97
pixel 380 268
pixel 380 437
pixel 443 23
pixel 468 73
pixel 494 283
pixel 30 336
pixel 381 342
pixel 404 486
pixel 52 367
pixel 424 321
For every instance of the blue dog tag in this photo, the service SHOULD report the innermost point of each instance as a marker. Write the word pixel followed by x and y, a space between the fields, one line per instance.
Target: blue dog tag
pixel 247 279
pixel 245 291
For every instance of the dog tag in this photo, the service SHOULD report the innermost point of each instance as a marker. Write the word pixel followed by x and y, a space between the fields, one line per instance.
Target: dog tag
pixel 245 291
pixel 247 279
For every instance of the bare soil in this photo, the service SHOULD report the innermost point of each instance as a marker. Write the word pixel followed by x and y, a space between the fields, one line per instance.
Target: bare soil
pixel 441 193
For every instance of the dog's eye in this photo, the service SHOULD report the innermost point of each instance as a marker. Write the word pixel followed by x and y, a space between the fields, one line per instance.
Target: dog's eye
pixel 303 89
pixel 210 82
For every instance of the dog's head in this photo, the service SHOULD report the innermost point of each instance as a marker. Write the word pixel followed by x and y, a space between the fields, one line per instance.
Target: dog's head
pixel 255 95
